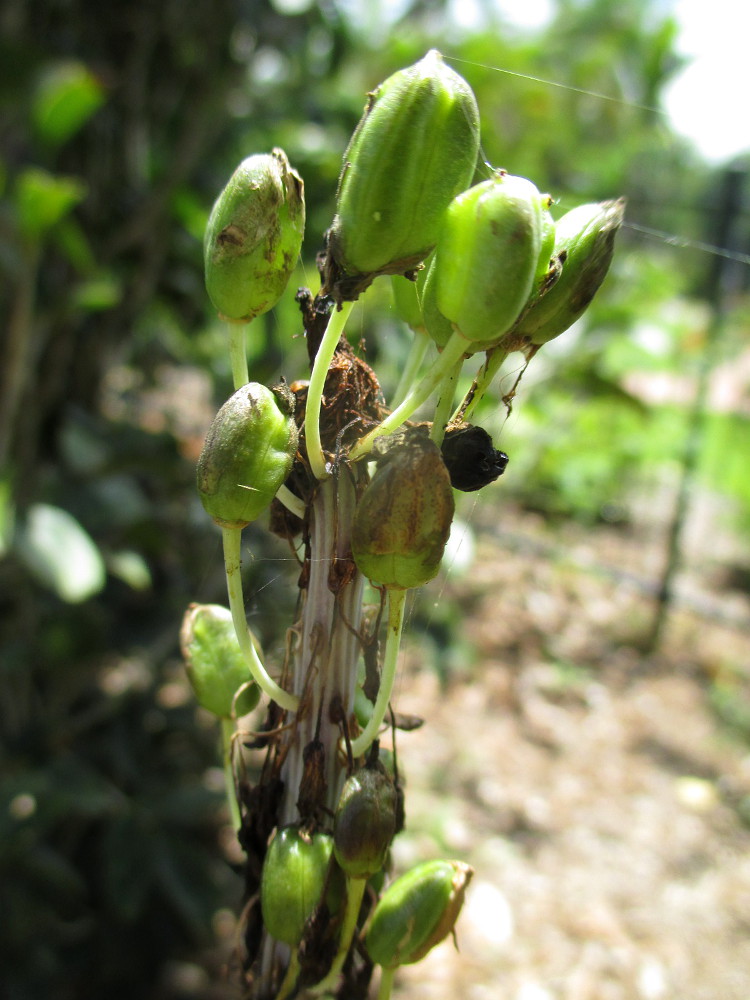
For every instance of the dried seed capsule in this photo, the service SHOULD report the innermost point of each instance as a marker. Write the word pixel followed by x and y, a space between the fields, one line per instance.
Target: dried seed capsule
pixel 247 455
pixel 471 458
pixel 254 235
pixel 214 662
pixel 416 912
pixel 293 881
pixel 584 244
pixel 365 821
pixel 413 150
pixel 487 256
pixel 403 518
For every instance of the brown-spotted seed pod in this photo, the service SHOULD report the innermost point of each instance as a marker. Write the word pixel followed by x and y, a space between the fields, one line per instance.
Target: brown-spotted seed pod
pixel 404 516
pixel 365 821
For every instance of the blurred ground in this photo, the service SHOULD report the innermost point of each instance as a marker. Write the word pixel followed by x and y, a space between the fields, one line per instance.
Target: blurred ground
pixel 595 789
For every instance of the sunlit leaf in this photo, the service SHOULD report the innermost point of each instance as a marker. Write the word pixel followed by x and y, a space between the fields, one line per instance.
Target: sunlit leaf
pixel 61 554
pixel 66 97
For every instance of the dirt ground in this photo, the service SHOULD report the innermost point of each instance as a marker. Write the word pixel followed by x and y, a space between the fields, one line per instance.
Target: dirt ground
pixel 593 787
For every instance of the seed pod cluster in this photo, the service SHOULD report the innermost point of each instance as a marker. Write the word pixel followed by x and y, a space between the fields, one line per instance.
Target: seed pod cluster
pixel 414 149
pixel 247 455
pixel 404 516
pixel 253 237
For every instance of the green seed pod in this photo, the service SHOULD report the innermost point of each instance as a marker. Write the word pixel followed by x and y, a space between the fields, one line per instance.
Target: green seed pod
pixel 293 881
pixel 416 912
pixel 487 256
pixel 547 246
pixel 247 455
pixel 406 296
pixel 253 237
pixel 403 518
pixel 216 668
pixel 414 149
pixel 584 244
pixel 365 821
pixel 438 326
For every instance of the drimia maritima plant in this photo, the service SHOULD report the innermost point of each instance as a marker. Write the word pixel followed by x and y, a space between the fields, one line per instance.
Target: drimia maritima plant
pixel 362 493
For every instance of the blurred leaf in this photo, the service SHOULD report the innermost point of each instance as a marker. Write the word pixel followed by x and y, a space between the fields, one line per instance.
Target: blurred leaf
pixel 70 238
pixel 42 200
pixel 7 515
pixel 98 294
pixel 131 568
pixel 61 555
pixel 67 95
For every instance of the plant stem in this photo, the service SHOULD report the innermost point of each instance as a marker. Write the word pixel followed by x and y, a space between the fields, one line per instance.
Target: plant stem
pixel 453 351
pixel 334 329
pixel 386 983
pixel 414 360
pixel 445 401
pixel 232 564
pixel 290 978
pixel 227 734
pixel 237 355
pixel 396 603
pixel 355 890
pixel 291 502
pixel 492 364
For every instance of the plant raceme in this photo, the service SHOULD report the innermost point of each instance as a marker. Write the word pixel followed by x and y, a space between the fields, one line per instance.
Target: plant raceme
pixel 363 494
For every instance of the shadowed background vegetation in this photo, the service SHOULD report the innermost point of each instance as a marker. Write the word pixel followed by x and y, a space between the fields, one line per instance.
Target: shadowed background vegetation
pixel 118 127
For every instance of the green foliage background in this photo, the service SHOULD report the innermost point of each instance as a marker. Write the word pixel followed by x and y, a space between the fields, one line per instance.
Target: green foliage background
pixel 118 129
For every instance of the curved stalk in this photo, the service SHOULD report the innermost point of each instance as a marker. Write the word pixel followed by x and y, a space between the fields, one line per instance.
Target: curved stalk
pixel 417 351
pixel 445 402
pixel 237 355
pixel 290 501
pixel 336 323
pixel 355 890
pixel 453 351
pixel 288 983
pixel 227 735
pixel 232 564
pixel 492 364
pixel 396 603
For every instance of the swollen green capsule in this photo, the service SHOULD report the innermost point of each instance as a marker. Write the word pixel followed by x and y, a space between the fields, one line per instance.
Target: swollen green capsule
pixel 248 453
pixel 403 518
pixel 416 912
pixel 584 245
pixel 365 821
pixel 487 257
pixel 253 236
pixel 293 881
pixel 216 668
pixel 413 150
